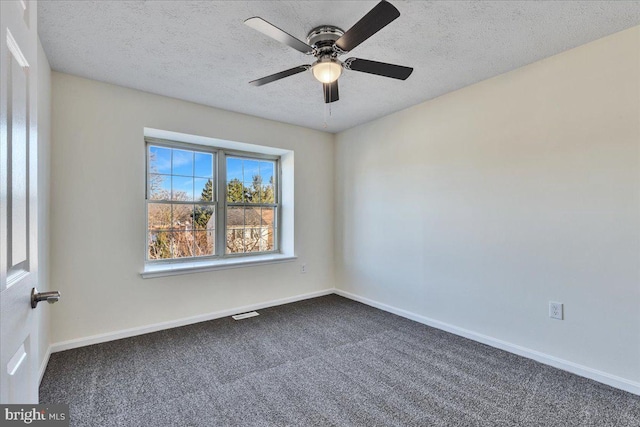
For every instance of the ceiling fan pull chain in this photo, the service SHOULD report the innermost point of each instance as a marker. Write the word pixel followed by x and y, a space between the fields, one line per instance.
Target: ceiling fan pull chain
pixel 325 116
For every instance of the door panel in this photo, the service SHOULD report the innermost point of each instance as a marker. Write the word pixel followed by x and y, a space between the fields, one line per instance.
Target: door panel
pixel 18 372
pixel 18 202
pixel 17 123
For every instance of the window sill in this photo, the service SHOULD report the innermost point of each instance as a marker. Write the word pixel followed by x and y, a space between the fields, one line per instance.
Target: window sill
pixel 161 270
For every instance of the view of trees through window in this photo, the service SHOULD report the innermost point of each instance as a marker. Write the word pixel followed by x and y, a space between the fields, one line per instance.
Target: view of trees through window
pixel 251 205
pixel 181 204
pixel 181 213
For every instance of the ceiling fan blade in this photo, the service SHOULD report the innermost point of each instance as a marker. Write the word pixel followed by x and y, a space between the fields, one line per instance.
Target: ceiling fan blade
pixel 276 33
pixel 280 75
pixel 330 92
pixel 377 18
pixel 379 68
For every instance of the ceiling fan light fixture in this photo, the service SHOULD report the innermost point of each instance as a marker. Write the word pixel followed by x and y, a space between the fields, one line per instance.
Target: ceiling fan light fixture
pixel 327 43
pixel 327 70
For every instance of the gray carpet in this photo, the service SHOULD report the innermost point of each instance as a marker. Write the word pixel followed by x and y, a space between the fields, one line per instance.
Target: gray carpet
pixel 326 361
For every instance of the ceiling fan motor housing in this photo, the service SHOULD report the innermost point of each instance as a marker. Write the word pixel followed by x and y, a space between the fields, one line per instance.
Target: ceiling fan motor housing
pixel 323 38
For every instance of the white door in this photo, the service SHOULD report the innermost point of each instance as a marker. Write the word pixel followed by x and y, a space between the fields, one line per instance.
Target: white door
pixel 18 201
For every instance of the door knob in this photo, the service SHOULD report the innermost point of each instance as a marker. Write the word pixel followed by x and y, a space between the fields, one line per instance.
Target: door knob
pixel 49 297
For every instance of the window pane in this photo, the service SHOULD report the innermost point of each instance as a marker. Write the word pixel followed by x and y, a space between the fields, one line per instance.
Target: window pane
pixel 203 189
pixel 159 160
pixel 267 194
pixel 203 217
pixel 235 217
pixel 235 191
pixel 159 245
pixel 182 162
pixel 251 169
pixel 235 242
pixel 267 241
pixel 205 242
pixel 268 219
pixel 183 244
pixel 182 188
pixel 159 187
pixel 268 216
pixel 252 239
pixel 182 217
pixel 204 165
pixel 252 217
pixel 159 216
pixel 235 229
pixel 253 230
pixel 252 192
pixel 234 169
pixel 266 172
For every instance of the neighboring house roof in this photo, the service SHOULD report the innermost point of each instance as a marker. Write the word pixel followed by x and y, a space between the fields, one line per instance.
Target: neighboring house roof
pixel 249 217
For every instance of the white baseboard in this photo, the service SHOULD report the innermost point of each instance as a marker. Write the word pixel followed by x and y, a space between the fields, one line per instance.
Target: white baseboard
pixel 126 333
pixel 565 365
pixel 45 362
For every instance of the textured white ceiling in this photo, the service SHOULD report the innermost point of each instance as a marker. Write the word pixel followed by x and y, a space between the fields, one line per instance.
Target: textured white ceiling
pixel 202 51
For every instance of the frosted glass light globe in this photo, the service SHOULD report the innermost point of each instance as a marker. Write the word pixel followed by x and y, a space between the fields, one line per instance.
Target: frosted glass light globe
pixel 327 71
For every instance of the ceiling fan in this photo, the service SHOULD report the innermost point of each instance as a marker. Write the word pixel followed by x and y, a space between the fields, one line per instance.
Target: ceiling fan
pixel 327 42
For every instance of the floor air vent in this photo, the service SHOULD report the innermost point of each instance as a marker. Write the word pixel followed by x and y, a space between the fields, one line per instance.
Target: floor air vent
pixel 245 315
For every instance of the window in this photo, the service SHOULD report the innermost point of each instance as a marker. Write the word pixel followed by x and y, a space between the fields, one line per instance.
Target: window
pixel 205 202
pixel 251 205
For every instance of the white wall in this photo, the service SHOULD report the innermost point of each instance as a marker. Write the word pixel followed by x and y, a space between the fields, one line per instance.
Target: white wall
pixel 98 211
pixel 479 207
pixel 44 178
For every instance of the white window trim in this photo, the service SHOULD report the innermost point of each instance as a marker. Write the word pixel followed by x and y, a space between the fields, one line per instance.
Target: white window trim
pixel 286 253
pixel 199 266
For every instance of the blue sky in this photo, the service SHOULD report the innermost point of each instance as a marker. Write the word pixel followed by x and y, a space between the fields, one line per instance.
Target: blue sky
pixel 185 163
pixel 245 169
pixel 191 170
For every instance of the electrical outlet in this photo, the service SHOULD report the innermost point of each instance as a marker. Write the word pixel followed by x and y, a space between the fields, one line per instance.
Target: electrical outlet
pixel 303 268
pixel 556 310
